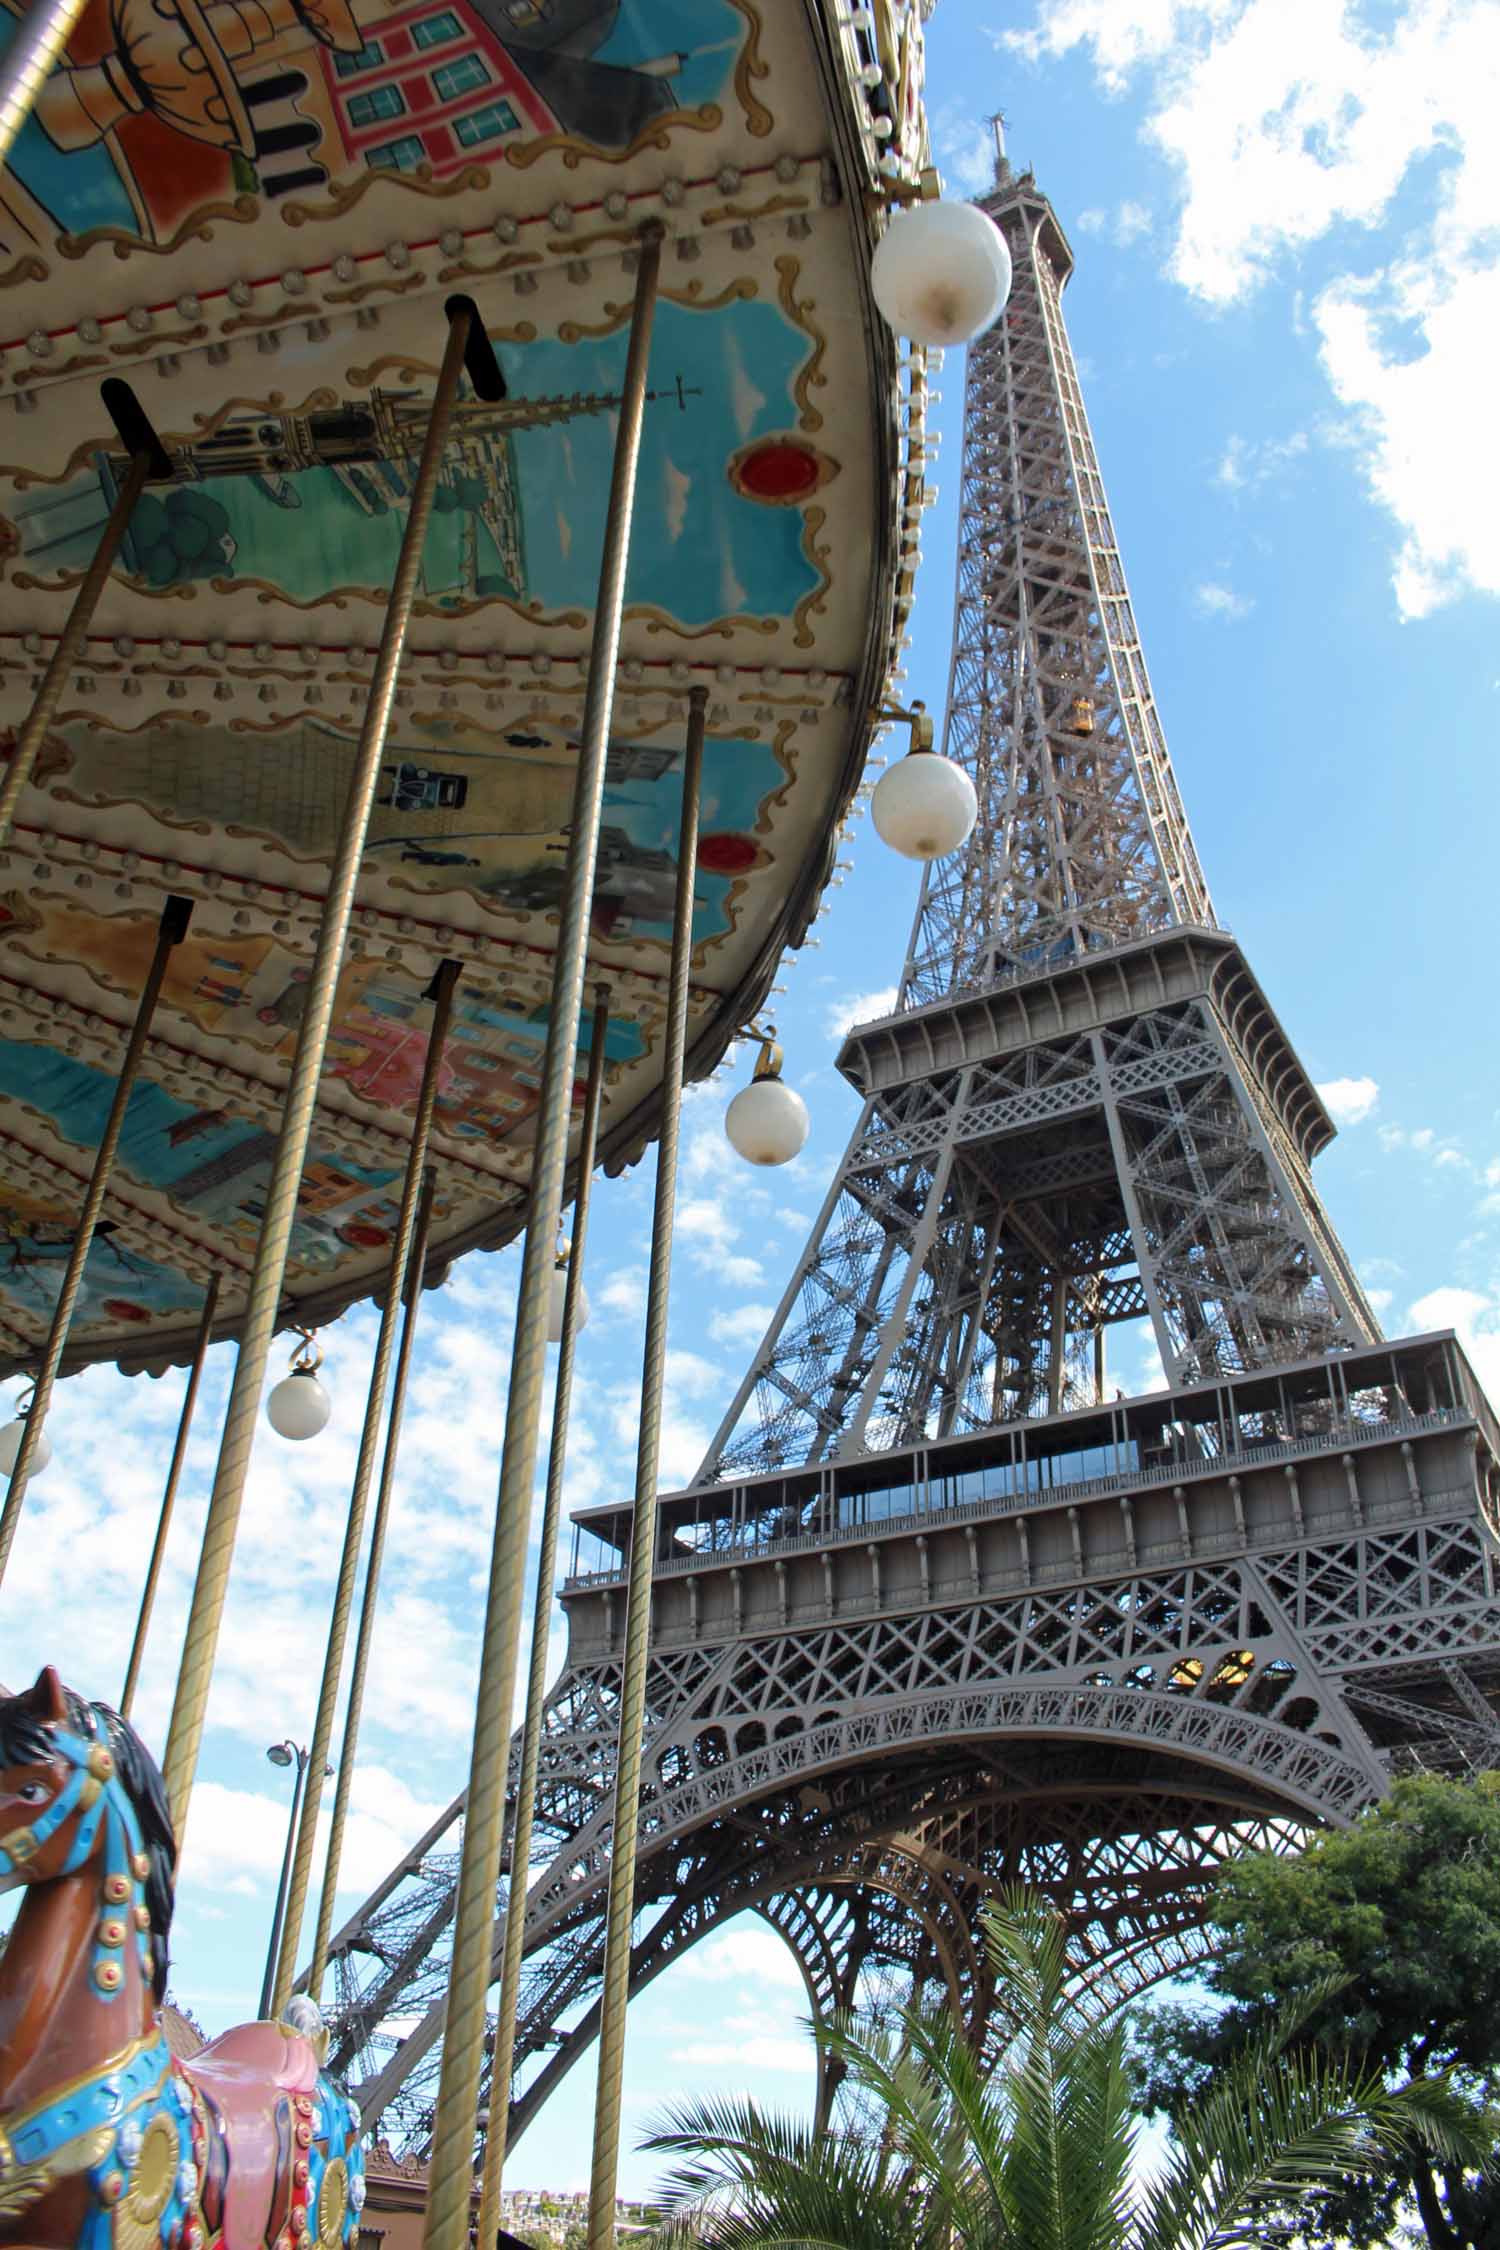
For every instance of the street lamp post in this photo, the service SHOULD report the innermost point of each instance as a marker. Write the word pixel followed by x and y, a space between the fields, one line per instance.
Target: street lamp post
pixel 283 1754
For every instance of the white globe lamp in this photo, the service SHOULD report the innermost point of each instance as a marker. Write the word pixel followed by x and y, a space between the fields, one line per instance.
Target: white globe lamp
pixel 941 272
pixel 924 806
pixel 299 1407
pixel 557 1301
pixel 10 1448
pixel 767 1122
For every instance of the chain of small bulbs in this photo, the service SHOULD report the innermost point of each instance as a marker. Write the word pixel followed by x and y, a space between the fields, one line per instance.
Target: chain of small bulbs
pixel 940 275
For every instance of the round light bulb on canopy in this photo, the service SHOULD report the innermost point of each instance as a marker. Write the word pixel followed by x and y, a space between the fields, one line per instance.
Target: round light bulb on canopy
pixel 767 1122
pixel 557 1300
pixel 299 1406
pixel 924 806
pixel 941 272
pixel 10 1447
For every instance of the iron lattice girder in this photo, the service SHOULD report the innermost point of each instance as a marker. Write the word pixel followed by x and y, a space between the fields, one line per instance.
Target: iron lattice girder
pixel 1059 1731
pixel 924 1302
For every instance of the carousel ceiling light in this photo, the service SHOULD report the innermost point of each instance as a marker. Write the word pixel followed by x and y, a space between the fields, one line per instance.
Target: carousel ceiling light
pixel 941 271
pixel 924 806
pixel 10 1443
pixel 767 1122
pixel 299 1406
pixel 557 1298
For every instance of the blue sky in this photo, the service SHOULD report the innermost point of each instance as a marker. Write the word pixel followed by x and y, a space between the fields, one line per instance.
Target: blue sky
pixel 1285 312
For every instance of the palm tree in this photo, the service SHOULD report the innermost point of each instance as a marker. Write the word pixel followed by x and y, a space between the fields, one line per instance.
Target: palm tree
pixel 1036 2152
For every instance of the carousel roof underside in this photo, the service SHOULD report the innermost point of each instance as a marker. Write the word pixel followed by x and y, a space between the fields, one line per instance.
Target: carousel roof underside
pixel 253 211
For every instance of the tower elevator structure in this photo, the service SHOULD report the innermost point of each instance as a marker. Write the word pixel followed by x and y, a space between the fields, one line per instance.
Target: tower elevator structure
pixel 941 1610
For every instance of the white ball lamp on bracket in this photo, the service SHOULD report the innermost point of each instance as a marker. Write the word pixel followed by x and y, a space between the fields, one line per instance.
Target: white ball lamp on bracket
pixel 557 1300
pixel 924 806
pixel 941 271
pixel 299 1406
pixel 10 1442
pixel 767 1122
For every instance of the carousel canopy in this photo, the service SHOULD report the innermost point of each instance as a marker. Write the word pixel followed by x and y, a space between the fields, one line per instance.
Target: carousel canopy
pixel 253 212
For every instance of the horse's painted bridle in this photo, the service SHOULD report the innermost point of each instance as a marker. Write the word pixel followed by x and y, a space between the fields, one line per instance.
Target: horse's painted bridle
pixel 94 1795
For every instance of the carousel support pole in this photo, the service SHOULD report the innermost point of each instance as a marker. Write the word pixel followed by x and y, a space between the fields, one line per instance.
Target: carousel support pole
pixel 70 641
pixel 40 38
pixel 169 1497
pixel 536 1679
pixel 170 930
pixel 441 995
pixel 620 1910
pixel 415 1279
pixel 263 1301
pixel 451 2168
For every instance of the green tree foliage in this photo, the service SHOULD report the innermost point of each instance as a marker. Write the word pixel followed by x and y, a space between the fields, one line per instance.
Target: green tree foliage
pixel 1036 2153
pixel 1403 1911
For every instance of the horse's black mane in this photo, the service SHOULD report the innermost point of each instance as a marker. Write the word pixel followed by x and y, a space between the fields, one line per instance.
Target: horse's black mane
pixel 25 1739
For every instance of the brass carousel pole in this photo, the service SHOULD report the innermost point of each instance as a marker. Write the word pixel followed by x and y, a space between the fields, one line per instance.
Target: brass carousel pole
pixel 416 1272
pixel 172 927
pixel 70 640
pixel 536 1679
pixel 41 36
pixel 168 1498
pixel 263 1301
pixel 627 1792
pixel 451 2168
pixel 441 994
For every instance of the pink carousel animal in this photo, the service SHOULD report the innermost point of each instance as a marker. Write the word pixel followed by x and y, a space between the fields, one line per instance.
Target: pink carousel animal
pixel 107 2140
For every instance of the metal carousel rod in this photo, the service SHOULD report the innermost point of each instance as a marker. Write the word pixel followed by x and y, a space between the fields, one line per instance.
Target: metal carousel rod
pixel 451 2169
pixel 171 929
pixel 70 641
pixel 41 36
pixel 441 994
pixel 169 1496
pixel 620 1909
pixel 415 1281
pixel 493 2159
pixel 263 1301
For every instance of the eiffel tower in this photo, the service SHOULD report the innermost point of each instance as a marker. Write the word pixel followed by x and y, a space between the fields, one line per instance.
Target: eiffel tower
pixel 939 1612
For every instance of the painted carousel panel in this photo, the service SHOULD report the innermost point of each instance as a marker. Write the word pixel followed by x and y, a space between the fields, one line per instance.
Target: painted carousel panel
pixel 173 113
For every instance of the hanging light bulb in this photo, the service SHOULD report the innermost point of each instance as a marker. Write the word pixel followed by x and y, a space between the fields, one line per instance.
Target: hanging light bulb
pixel 924 806
pixel 941 272
pixel 559 1293
pixel 10 1442
pixel 299 1406
pixel 767 1122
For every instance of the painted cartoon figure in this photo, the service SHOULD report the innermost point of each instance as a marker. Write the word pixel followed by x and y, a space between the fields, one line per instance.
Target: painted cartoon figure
pixel 107 2140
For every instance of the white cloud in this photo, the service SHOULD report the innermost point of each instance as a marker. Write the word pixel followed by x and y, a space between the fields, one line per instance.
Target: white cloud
pixel 1213 600
pixel 745 1325
pixel 1475 1317
pixel 744 1951
pixel 623 1292
pixel 1247 462
pixel 1286 132
pixel 1348 1101
pixel 1126 224
pixel 964 146
pixel 857 1007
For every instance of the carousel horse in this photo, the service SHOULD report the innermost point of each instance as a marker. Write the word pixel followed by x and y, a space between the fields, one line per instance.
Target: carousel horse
pixel 107 2140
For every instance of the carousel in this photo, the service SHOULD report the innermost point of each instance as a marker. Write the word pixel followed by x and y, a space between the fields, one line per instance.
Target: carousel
pixel 462 467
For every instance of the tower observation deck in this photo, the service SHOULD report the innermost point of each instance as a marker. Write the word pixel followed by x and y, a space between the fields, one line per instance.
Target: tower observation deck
pixel 940 1610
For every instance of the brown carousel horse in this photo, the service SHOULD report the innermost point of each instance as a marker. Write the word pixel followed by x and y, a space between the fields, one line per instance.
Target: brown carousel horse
pixel 107 2140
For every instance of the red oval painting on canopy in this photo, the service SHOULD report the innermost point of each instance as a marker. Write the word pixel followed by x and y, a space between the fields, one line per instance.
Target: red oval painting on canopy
pixel 728 853
pixel 361 1235
pixel 780 470
pixel 121 1308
